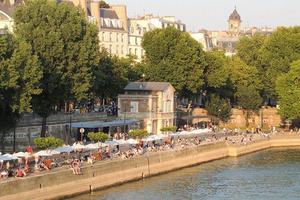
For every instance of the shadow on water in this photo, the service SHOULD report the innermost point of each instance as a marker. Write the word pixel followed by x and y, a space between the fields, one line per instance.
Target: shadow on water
pixel 270 174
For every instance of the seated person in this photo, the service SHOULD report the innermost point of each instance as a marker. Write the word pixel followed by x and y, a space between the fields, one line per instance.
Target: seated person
pixel 20 173
pixel 76 167
pixel 4 174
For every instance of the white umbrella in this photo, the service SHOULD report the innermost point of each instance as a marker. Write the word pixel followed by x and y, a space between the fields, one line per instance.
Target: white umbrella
pixel 132 141
pixel 22 154
pixel 64 149
pixel 46 153
pixel 11 156
pixel 77 146
pixel 95 146
pixel 112 143
pixel 121 142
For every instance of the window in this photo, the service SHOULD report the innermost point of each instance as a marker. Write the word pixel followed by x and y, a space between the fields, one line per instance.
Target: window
pixel 134 106
pixel 122 37
pixel 122 49
pixel 130 51
pixel 135 52
pixel 117 49
pixel 110 37
pixel 131 29
pixel 110 49
pixel 103 36
pixel 136 40
pixel 117 37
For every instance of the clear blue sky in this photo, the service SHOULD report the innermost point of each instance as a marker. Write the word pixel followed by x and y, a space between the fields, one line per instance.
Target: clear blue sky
pixel 213 14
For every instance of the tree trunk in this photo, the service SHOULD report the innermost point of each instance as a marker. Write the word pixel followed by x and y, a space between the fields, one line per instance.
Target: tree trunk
pixel 247 118
pixel 44 127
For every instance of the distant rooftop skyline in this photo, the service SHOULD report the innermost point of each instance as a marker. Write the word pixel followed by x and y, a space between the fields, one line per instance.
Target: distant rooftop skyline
pixel 213 14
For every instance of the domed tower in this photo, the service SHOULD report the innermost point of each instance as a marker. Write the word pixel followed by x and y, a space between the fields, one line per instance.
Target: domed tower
pixel 234 23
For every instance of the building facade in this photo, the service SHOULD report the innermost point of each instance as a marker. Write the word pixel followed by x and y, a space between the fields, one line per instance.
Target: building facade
pixel 112 23
pixel 226 40
pixel 151 103
pixel 203 38
pixel 140 25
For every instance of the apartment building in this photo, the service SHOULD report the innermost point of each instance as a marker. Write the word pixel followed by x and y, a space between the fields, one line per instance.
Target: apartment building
pixel 140 25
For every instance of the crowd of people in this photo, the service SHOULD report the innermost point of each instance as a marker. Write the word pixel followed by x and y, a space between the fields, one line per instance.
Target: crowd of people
pixel 74 160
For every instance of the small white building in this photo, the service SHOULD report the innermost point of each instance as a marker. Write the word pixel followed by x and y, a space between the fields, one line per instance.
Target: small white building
pixel 151 103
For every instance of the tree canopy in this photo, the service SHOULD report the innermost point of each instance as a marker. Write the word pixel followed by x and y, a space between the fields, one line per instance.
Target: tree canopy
pixel 218 107
pixel 288 90
pixel 66 47
pixel 19 80
pixel 173 56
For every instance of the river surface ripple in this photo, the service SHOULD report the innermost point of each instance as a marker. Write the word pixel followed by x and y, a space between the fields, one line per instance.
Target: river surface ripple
pixel 270 174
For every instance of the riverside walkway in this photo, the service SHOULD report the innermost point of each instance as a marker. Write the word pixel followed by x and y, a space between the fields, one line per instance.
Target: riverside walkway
pixel 115 172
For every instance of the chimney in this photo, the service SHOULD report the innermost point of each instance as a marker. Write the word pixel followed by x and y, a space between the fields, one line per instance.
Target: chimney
pixel 95 10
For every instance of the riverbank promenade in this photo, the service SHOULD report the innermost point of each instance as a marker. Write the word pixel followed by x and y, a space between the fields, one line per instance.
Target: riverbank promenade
pixel 62 183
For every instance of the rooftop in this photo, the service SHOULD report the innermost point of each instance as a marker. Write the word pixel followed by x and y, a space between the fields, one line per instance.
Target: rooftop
pixel 148 86
pixel 235 15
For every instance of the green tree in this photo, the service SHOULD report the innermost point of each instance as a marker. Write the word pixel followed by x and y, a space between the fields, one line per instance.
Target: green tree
pixel 112 74
pixel 98 137
pixel 173 56
pixel 249 99
pixel 138 133
pixel 19 80
pixel 218 107
pixel 249 50
pixel 217 73
pixel 278 52
pixel 66 46
pixel 48 142
pixel 288 90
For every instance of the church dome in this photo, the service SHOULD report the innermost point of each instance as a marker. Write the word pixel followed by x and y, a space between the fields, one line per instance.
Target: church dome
pixel 235 16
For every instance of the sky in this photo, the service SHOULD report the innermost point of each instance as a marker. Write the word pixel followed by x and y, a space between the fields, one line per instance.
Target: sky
pixel 213 14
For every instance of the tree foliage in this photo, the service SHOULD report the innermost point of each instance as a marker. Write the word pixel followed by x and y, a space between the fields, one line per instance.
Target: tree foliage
pixel 173 56
pixel 112 74
pixel 48 142
pixel 138 133
pixel 98 137
pixel 218 107
pixel 19 79
pixel 278 52
pixel 288 90
pixel 169 129
pixel 66 46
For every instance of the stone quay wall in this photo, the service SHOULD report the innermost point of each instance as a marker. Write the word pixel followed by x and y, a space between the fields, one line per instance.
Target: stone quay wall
pixel 62 184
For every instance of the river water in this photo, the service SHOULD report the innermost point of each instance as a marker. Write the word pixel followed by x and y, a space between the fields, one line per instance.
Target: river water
pixel 270 174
